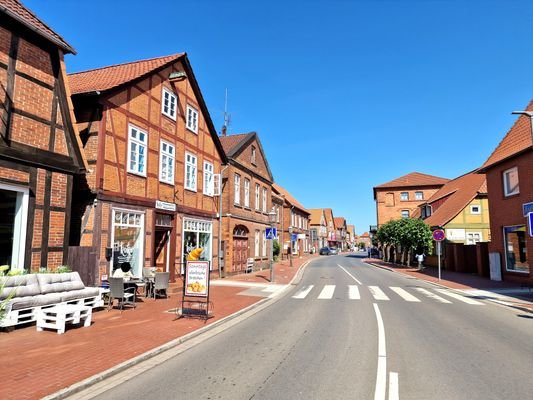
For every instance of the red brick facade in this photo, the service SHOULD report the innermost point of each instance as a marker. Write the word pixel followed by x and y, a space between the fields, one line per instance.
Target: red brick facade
pixel 508 211
pixel 110 124
pixel 39 152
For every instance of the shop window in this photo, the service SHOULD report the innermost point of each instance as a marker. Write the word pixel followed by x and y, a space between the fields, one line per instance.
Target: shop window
pixel 515 248
pixel 128 240
pixel 13 222
pixel 197 234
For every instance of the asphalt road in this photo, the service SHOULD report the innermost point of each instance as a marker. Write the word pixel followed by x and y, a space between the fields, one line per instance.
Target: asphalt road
pixel 353 331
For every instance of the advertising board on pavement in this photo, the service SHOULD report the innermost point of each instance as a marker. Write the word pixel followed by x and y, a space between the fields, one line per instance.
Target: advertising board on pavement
pixel 197 279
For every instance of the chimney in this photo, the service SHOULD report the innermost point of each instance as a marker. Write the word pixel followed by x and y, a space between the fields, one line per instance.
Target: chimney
pixel 224 129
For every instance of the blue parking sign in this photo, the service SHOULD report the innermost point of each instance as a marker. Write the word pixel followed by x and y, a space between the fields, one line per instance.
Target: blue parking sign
pixel 530 221
pixel 270 233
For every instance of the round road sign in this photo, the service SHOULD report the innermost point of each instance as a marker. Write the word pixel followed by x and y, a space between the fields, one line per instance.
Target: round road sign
pixel 438 235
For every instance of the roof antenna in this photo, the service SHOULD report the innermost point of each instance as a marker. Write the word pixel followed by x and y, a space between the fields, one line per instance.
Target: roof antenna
pixel 227 117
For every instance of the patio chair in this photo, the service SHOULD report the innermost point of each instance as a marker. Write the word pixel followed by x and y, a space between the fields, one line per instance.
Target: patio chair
pixel 148 278
pixel 160 284
pixel 125 297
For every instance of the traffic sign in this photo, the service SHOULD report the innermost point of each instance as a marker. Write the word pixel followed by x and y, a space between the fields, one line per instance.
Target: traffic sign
pixel 271 233
pixel 530 219
pixel 439 235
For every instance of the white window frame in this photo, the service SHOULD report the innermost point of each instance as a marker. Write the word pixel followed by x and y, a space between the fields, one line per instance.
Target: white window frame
pixel 253 158
pixel 257 195
pixel 246 192
pixel 402 196
pixel 470 238
pixel 168 156
pixel 506 188
pixel 138 217
pixel 263 244
pixel 135 144
pixel 405 211
pixel 472 206
pixel 169 103
pixel 264 200
pixel 191 172
pixel 192 119
pixel 419 195
pixel 20 223
pixel 256 242
pixel 237 189
pixel 209 187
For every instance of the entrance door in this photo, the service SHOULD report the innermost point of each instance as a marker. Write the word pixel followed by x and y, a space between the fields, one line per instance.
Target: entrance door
pixel 240 254
pixel 161 250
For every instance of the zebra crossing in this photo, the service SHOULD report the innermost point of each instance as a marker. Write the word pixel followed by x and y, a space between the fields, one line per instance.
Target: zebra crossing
pixel 355 292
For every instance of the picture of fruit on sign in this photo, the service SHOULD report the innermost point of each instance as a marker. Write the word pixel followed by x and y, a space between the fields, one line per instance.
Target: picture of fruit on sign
pixel 195 254
pixel 196 287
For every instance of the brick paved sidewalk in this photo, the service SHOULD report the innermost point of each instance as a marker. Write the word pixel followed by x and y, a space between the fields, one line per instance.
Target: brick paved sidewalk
pixel 37 364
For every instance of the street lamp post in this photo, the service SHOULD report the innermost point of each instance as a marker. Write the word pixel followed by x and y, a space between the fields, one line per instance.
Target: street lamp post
pixel 272 219
pixel 530 115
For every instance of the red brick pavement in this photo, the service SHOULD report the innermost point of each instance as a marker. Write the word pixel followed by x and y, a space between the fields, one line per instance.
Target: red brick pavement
pixel 37 364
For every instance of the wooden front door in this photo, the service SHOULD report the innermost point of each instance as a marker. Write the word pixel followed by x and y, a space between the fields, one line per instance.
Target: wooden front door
pixel 240 254
pixel 161 251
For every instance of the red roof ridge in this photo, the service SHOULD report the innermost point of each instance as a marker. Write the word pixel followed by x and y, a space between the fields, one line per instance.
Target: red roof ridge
pixel 175 55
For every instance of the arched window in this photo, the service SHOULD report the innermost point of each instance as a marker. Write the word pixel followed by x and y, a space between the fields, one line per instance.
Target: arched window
pixel 240 231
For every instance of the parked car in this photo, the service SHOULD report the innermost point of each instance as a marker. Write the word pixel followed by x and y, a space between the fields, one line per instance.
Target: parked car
pixel 333 251
pixel 324 251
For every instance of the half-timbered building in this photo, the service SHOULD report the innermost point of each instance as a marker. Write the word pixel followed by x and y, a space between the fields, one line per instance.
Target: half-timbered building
pixel 153 153
pixel 246 202
pixel 39 152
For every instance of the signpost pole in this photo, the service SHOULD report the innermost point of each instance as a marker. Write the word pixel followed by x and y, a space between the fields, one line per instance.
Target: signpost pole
pixel 438 253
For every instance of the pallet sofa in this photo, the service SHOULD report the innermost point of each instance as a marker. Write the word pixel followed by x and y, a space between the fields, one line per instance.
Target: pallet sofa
pixel 34 292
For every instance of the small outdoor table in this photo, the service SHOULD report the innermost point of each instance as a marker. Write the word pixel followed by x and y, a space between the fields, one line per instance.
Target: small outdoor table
pixel 56 317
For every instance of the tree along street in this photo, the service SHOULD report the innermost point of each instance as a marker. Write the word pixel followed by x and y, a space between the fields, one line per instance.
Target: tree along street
pixel 353 331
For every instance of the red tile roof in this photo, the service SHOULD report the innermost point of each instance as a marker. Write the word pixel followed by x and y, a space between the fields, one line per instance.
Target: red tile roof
pixel 106 78
pixel 231 141
pixel 16 10
pixel 518 139
pixel 288 197
pixel 414 179
pixel 339 222
pixel 459 192
pixel 316 215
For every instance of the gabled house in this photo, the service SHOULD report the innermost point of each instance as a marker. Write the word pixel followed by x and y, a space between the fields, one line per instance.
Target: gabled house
pixel 246 202
pixel 340 226
pixel 401 197
pixel 39 150
pixel 295 234
pixel 318 228
pixel 509 171
pixel 330 226
pixel 461 208
pixel 350 235
pixel 149 197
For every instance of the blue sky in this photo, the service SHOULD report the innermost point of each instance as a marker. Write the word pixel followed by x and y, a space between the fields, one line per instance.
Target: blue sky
pixel 345 95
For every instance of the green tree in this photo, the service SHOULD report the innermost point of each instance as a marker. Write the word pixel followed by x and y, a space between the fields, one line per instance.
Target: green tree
pixel 402 237
pixel 276 248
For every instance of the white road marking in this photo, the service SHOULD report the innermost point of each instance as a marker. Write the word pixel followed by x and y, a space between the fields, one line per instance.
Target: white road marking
pixel 381 376
pixel 404 294
pixel 459 297
pixel 303 292
pixel 378 293
pixel 353 292
pixel 433 295
pixel 327 292
pixel 394 392
pixel 351 276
